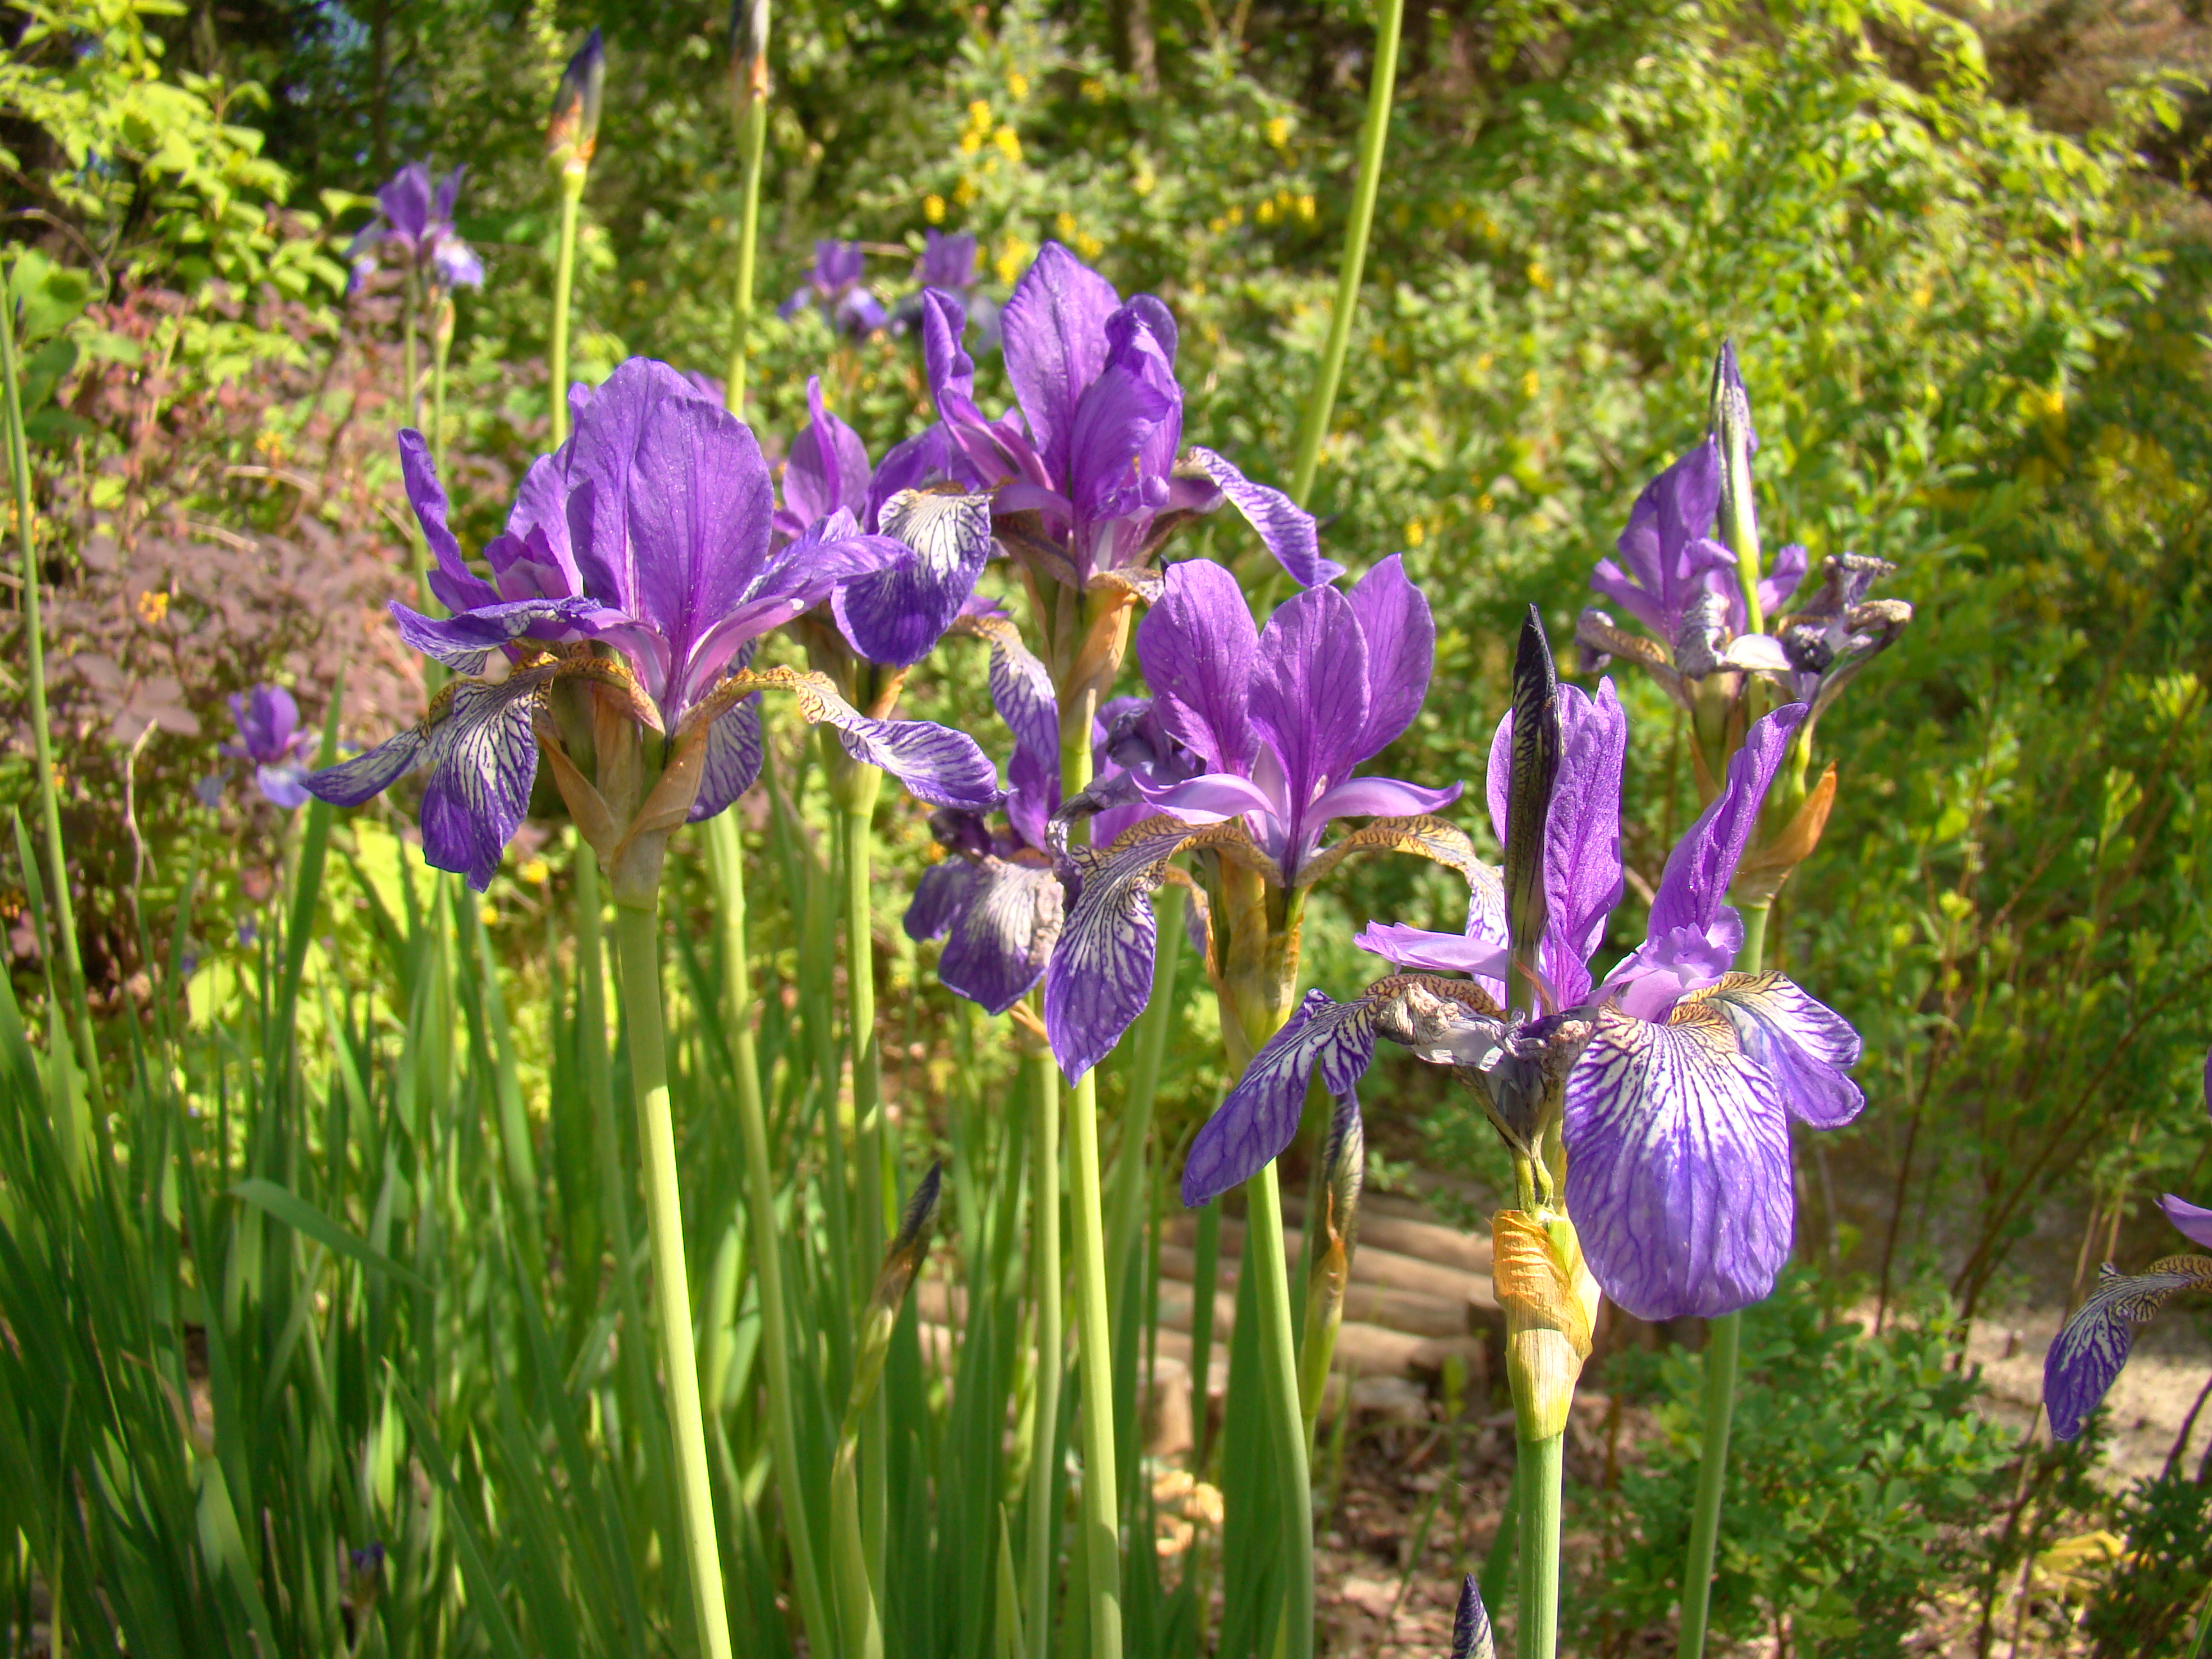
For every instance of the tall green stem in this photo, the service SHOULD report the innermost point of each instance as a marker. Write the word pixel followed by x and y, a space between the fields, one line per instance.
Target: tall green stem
pixel 410 370
pixel 1724 1341
pixel 1045 1270
pixel 1539 1466
pixel 726 851
pixel 1102 1548
pixel 1125 1214
pixel 869 1138
pixel 34 663
pixel 564 267
pixel 1380 86
pixel 1264 1257
pixel 442 349
pixel 752 114
pixel 637 943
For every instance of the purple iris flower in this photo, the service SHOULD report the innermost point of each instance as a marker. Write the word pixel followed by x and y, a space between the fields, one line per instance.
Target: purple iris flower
pixel 948 265
pixel 2089 1354
pixel 1683 585
pixel 647 534
pixel 415 224
pixel 895 616
pixel 1681 1077
pixel 1086 475
pixel 833 287
pixel 269 735
pixel 1278 719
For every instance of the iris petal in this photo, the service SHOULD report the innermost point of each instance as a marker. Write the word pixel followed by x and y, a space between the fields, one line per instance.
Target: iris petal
pixel 733 759
pixel 1287 529
pixel 2193 1221
pixel 897 615
pixel 2089 1353
pixel 363 778
pixel 1805 1046
pixel 1007 922
pixel 1262 1113
pixel 484 758
pixel 1101 976
pixel 1678 1165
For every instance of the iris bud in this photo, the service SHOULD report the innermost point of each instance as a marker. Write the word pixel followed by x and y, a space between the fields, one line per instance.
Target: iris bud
pixel 572 133
pixel 1550 1301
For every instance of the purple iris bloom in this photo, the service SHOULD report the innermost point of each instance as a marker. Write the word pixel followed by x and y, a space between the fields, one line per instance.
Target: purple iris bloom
pixel 415 224
pixel 2090 1353
pixel 269 735
pixel 995 899
pixel 1682 1076
pixel 647 533
pixel 1086 475
pixel 895 616
pixel 833 287
pixel 1278 719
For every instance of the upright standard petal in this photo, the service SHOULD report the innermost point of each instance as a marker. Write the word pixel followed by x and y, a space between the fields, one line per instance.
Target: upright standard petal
pixel 1261 1116
pixel 1401 647
pixel 2194 1222
pixel 2091 1351
pixel 1694 889
pixel 897 616
pixel 1197 646
pixel 1286 529
pixel 1054 338
pixel 1678 1165
pixel 1309 687
pixel 457 587
pixel 828 466
pixel 1584 877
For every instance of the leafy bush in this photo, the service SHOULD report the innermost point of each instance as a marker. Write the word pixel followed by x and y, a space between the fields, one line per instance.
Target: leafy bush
pixel 1860 1472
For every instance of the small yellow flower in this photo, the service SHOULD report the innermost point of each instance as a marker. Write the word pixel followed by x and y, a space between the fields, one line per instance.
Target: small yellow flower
pixel 979 116
pixel 1483 503
pixel 964 192
pixel 1306 207
pixel 1094 92
pixel 1416 534
pixel 1278 131
pixel 1017 85
pixel 1236 214
pixel 1013 257
pixel 1539 278
pixel 715 225
pixel 1064 224
pixel 1088 246
pixel 932 208
pixel 1528 384
pixel 1009 142
pixel 61 775
pixel 153 606
pixel 270 443
pixel 970 142
pixel 487 914
pixel 1265 213
pixel 535 872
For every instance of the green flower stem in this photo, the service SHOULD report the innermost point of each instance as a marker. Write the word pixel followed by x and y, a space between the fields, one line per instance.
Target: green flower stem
pixel 1381 87
pixel 751 115
pixel 637 944
pixel 857 798
pixel 1042 1543
pixel 410 368
pixel 564 268
pixel 1723 1340
pixel 1264 1258
pixel 441 351
pixel 726 850
pixel 34 646
pixel 1539 1466
pixel 1100 1526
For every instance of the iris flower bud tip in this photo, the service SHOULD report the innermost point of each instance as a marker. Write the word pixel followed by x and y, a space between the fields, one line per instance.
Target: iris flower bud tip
pixel 1471 1633
pixel 572 133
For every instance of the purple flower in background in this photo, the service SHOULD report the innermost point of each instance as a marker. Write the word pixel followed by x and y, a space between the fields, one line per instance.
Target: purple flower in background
pixel 896 615
pixel 415 226
pixel 1278 720
pixel 948 265
pixel 1684 585
pixel 833 287
pixel 1681 1076
pixel 1085 472
pixel 270 737
pixel 2091 1350
pixel 648 532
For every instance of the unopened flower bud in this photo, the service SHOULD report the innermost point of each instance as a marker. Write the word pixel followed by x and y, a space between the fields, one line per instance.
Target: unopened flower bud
pixel 572 134
pixel 1728 420
pixel 1343 1167
pixel 902 1261
pixel 1550 1301
pixel 1471 1637
pixel 1535 754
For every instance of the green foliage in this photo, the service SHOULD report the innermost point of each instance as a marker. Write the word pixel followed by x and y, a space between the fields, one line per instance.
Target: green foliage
pixel 2148 1606
pixel 1860 1469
